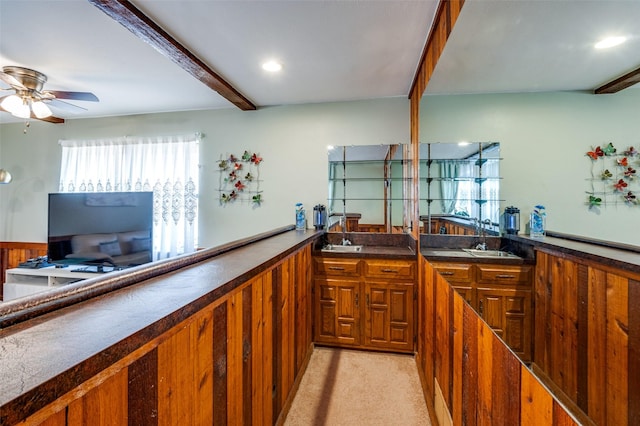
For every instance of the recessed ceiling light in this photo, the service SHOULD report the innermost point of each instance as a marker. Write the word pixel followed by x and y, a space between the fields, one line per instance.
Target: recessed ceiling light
pixel 463 143
pixel 272 66
pixel 610 42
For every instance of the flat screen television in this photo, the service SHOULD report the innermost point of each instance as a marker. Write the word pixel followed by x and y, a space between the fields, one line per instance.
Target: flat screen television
pixel 92 228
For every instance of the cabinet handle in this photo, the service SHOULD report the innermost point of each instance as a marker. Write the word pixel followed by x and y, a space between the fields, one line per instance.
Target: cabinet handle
pixel 390 271
pixel 336 268
pixel 357 299
pixel 481 308
pixel 446 273
pixel 505 276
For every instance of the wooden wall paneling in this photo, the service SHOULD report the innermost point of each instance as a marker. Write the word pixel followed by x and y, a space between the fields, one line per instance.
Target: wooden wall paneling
pixel 103 405
pixel 485 373
pixel 536 407
pixel 556 349
pixel 634 352
pixel 176 378
pixel 58 419
pixel 569 360
pixel 597 346
pixel 234 358
pixel 257 353
pixel 582 382
pixel 428 326
pixel 142 390
pixel 617 320
pixel 202 363
pixel 505 375
pixel 442 355
pixel 267 349
pixel 277 339
pixel 469 390
pixel 542 311
pixel 220 364
pixel 247 352
pixel 457 362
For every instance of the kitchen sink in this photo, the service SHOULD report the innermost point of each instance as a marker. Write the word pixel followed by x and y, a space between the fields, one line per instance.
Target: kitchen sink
pixel 490 253
pixel 342 249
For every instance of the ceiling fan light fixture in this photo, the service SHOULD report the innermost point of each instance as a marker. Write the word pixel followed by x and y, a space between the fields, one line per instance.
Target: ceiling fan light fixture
pixel 610 42
pixel 40 109
pixel 11 103
pixel 5 176
pixel 22 111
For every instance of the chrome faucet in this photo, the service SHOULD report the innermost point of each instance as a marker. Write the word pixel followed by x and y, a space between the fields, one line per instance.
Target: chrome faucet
pixel 482 228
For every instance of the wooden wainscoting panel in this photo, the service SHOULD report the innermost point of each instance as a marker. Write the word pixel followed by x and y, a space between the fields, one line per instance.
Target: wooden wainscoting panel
pixel 617 350
pixel 597 346
pixel 103 405
pixel 536 407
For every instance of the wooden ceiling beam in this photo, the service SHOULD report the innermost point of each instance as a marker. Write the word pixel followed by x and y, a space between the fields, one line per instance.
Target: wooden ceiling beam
pixel 138 23
pixel 620 83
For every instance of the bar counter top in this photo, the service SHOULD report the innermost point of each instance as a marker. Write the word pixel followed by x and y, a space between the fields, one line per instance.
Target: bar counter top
pixel 44 357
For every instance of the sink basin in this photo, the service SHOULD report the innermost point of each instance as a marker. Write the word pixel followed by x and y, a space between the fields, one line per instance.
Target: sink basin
pixel 446 252
pixel 342 249
pixel 489 253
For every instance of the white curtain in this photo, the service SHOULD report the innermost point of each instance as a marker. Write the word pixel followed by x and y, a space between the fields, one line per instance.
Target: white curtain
pixel 448 185
pixel 166 165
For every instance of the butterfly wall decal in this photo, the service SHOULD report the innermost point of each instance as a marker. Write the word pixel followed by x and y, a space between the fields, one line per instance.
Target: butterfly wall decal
pixel 631 152
pixel 609 149
pixel 257 199
pixel 240 186
pixel 255 159
pixel 606 174
pixel 623 162
pixel 594 201
pixel 596 153
pixel 223 165
pixel 630 173
pixel 621 185
pixel 233 158
pixel 246 156
pixel 630 197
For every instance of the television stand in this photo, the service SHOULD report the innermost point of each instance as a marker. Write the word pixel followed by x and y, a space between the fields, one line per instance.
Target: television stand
pixel 20 282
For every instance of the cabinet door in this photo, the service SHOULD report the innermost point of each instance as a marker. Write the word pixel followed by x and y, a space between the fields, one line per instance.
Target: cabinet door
pixel 508 313
pixel 337 307
pixel 389 315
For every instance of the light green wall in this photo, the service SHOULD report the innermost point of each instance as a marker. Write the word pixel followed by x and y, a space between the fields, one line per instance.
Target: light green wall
pixel 292 140
pixel 544 139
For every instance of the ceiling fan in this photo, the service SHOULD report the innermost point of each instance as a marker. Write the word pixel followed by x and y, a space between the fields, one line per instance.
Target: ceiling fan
pixel 30 101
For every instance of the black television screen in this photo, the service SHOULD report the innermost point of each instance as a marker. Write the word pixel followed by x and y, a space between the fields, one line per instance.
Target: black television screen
pixel 100 227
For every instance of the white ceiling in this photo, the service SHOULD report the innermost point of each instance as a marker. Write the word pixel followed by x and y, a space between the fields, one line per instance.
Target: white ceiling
pixel 332 50
pixel 512 46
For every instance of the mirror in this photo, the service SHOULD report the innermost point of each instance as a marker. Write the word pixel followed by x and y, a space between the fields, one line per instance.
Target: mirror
pixel 367 188
pixel 459 188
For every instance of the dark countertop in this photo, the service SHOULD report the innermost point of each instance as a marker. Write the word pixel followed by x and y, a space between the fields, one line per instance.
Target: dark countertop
pixel 618 258
pixel 44 357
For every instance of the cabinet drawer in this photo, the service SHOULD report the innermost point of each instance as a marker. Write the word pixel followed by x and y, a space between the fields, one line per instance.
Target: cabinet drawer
pixel 403 269
pixel 336 266
pixel 459 272
pixel 504 274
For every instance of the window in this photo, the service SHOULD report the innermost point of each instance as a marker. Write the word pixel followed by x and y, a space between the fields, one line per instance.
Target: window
pixel 168 166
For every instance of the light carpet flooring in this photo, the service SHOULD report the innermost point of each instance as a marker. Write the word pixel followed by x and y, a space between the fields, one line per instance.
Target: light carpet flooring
pixel 348 387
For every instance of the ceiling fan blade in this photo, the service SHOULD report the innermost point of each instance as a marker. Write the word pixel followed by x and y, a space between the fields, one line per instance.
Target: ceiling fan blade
pixel 57 103
pixel 76 96
pixel 50 119
pixel 11 81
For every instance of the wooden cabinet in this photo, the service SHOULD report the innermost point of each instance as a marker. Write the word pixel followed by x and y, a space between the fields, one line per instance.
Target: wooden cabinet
pixel 501 294
pixel 365 302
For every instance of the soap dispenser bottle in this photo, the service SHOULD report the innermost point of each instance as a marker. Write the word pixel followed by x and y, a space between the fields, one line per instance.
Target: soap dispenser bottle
pixel 301 217
pixel 537 222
